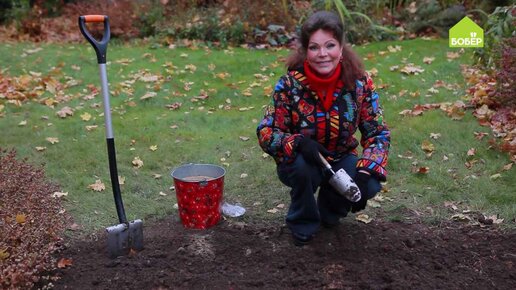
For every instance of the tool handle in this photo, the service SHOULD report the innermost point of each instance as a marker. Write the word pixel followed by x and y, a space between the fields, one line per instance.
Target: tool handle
pixel 99 46
pixel 113 173
pixel 325 163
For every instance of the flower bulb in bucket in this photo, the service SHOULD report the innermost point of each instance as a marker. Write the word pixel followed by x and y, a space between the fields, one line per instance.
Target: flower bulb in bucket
pixel 199 189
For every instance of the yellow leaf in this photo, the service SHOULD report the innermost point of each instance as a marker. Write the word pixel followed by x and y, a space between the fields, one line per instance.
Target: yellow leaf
pixel 90 128
pixel 22 123
pixel 137 162
pixel 121 180
pixel 86 116
pixel 148 95
pixel 97 186
pixel 52 140
pixel 267 91
pixel 428 60
pixel 363 218
pixel 153 148
pixel 4 254
pixel 39 148
pixel 427 146
pixel 20 218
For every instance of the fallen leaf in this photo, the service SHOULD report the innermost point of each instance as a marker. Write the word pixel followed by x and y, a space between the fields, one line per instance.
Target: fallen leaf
pixel 22 123
pixel 281 205
pixel 74 227
pixel 148 95
pixel 411 69
pixel 471 152
pixel 153 148
pixel 64 262
pixel 40 148
pixel 243 138
pixel 243 175
pixel 495 219
pixel 460 217
pixel 156 176
pixel 92 127
pixel 452 55
pixel 137 162
pixel 121 180
pixel 86 116
pixel 52 140
pixel 174 106
pixel 65 112
pixel 428 60
pixel 59 194
pixel 97 186
pixel 507 166
pixel 20 218
pixel 274 210
pixel 427 146
pixel 162 193
pixel 374 203
pixel 423 170
pixel 4 254
pixel 435 136
pixel 495 176
pixel 363 218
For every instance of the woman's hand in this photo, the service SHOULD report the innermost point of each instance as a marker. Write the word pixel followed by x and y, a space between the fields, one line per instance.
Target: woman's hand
pixel 310 150
pixel 362 180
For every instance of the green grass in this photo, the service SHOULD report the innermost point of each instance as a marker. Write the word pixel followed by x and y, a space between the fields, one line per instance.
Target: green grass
pixel 210 133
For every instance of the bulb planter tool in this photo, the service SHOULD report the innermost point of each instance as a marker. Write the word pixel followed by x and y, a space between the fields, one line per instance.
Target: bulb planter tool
pixel 123 237
pixel 342 182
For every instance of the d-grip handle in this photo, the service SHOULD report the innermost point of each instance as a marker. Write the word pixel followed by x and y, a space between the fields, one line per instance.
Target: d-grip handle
pixel 99 46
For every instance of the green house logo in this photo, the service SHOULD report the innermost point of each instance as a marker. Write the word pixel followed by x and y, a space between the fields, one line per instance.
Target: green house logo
pixel 466 33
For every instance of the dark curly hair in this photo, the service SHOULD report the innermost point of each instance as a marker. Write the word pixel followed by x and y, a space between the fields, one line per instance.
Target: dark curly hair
pixel 352 66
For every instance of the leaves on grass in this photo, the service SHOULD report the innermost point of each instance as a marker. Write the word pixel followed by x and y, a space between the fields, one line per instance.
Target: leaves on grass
pixel 65 112
pixel 428 147
pixel 97 186
pixel 411 69
pixel 52 140
pixel 137 162
pixel 86 116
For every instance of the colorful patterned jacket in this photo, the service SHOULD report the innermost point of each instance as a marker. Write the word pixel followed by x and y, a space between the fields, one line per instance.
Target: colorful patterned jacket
pixel 296 113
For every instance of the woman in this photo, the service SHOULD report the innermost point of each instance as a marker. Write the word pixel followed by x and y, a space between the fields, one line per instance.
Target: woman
pixel 316 108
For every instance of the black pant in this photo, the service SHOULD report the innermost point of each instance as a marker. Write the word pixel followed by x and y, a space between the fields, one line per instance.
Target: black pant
pixel 305 213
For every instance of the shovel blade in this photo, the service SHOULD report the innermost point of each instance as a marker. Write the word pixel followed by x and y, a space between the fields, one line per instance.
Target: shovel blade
pixel 118 240
pixel 122 238
pixel 136 235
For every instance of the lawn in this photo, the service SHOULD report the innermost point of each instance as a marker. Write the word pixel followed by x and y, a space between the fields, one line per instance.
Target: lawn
pixel 197 105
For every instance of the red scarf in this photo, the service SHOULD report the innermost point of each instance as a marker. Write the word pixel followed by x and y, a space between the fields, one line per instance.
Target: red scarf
pixel 324 87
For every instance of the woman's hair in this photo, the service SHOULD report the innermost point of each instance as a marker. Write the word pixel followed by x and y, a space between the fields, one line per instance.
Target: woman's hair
pixel 352 66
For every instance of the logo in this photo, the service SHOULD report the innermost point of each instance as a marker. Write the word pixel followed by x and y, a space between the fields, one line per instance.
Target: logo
pixel 466 33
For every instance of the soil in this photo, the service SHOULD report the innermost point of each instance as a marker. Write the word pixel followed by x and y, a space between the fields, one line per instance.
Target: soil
pixel 242 255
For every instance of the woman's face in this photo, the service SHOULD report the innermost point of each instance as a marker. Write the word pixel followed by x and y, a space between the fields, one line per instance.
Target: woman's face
pixel 323 53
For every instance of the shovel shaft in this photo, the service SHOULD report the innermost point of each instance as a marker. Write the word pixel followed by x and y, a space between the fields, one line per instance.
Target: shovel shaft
pixel 110 139
pixel 326 164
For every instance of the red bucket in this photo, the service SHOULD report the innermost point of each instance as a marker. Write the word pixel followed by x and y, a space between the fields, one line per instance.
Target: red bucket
pixel 199 190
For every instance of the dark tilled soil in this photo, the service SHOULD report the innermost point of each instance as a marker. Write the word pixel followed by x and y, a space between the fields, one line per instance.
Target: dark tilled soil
pixel 238 255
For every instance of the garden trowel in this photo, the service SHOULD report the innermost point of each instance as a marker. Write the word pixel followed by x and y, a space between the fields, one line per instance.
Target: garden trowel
pixel 126 235
pixel 342 182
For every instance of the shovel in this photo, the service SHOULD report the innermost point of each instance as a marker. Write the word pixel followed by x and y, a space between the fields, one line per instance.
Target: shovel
pixel 342 182
pixel 126 235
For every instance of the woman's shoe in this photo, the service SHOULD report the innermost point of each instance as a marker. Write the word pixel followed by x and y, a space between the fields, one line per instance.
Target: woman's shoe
pixel 301 239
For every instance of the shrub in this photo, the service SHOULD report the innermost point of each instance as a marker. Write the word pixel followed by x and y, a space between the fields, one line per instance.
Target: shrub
pixel 506 74
pixel 499 26
pixel 32 223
